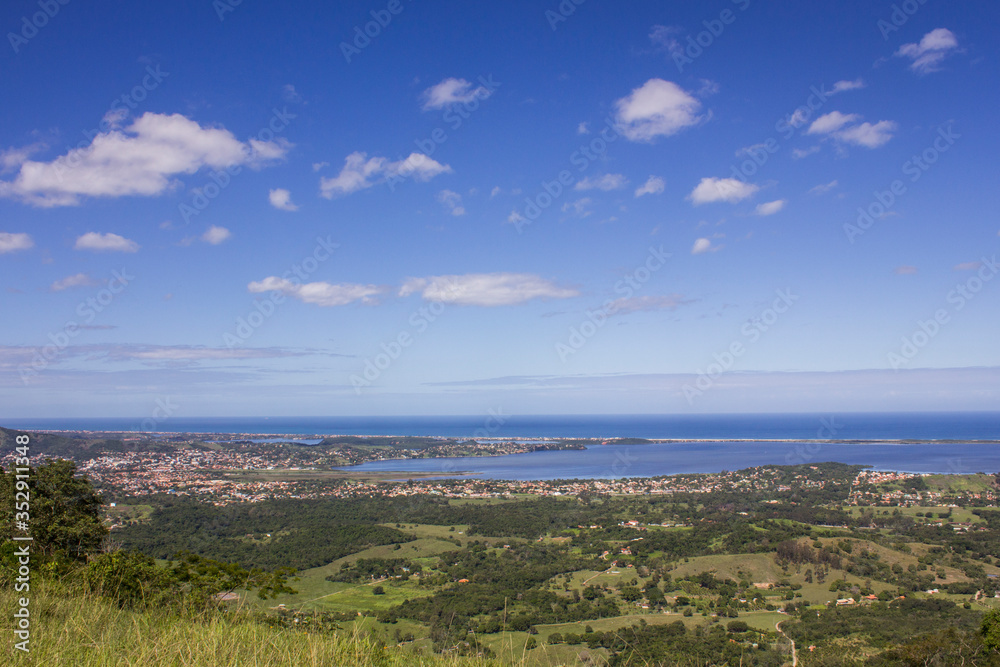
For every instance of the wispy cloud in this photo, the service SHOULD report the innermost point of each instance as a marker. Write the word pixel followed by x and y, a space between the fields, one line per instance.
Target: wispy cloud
pixel 844 86
pixel 452 91
pixel 823 188
pixel 831 122
pixel 452 201
pixel 486 289
pixel 648 302
pixel 605 182
pixel 968 266
pixel 839 126
pixel 654 185
pixel 770 208
pixel 926 56
pixel 77 280
pixel 318 293
pixel 215 235
pixel 361 172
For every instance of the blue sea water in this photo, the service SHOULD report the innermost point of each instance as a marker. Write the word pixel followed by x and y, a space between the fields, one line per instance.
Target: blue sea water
pixel 613 461
pixel 878 426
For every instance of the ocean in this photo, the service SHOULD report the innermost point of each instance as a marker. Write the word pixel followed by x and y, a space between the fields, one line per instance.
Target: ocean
pixel 849 426
pixel 960 454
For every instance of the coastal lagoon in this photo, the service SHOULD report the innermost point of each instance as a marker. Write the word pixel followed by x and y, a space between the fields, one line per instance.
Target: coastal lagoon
pixel 611 461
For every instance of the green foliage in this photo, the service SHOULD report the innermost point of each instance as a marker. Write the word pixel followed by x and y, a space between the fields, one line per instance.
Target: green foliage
pixel 990 630
pixel 64 508
pixel 133 580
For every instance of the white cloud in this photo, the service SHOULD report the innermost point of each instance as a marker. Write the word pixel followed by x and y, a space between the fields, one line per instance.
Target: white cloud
pixel 770 208
pixel 417 166
pixel 319 293
pixel 216 235
pixel 843 86
pixel 452 91
pixel 634 304
pixel 289 94
pixel 721 189
pixel 361 172
pixel 105 242
pixel 831 122
pixel 355 175
pixel 657 108
pixel 934 47
pixel 451 201
pixel 653 186
pixel 485 289
pixel 281 199
pixel 78 280
pixel 10 242
pixel 579 208
pixel 142 159
pixel 824 188
pixel 514 217
pixel 495 191
pixel 13 158
pixel 582 129
pixel 868 135
pixel 605 182
pixel 319 165
pixel 798 117
pixel 703 245
pixel 968 266
pixel 664 37
pixel 799 153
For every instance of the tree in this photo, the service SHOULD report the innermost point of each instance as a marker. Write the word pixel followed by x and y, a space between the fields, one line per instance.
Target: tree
pixel 990 630
pixel 64 510
pixel 378 590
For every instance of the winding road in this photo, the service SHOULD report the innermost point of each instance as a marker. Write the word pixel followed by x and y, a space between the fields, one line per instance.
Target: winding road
pixel 795 653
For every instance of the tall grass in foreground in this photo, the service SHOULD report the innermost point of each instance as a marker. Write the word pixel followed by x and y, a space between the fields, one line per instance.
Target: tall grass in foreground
pixel 87 631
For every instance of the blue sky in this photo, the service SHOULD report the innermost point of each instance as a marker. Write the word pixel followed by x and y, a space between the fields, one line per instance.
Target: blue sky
pixel 536 207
